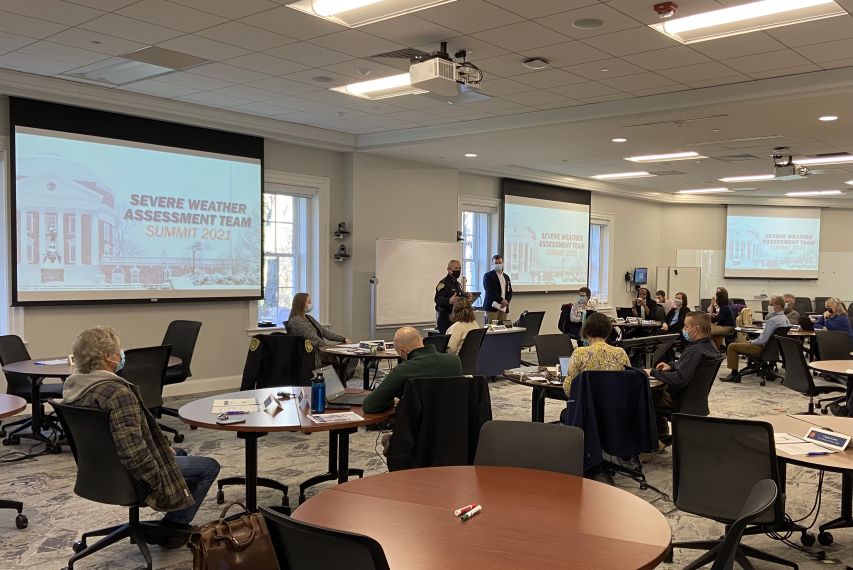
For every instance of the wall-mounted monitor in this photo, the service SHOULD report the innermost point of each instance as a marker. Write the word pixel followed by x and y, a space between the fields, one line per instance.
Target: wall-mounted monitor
pixel 641 275
pixel 116 208
pixel 772 243
pixel 545 236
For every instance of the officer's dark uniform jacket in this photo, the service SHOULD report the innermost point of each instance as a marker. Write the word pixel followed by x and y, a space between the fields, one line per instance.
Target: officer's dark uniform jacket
pixel 278 360
pixel 445 289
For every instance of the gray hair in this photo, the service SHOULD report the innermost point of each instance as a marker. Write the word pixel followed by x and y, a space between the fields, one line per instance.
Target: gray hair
pixel 777 301
pixel 92 346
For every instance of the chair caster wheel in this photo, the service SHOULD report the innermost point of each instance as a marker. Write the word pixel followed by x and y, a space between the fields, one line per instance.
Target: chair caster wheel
pixel 178 438
pixel 193 428
pixel 220 497
pixel 825 538
pixel 762 383
pixel 824 411
pixel 807 539
pixel 12 440
pixel 643 486
pixel 2 433
pixel 56 449
pixel 78 546
pixel 22 522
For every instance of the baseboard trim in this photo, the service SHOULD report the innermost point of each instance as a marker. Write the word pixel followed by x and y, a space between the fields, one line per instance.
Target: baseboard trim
pixel 200 385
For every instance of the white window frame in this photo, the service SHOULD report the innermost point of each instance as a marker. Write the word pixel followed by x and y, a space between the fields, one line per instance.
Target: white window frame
pixel 605 269
pixel 491 206
pixel 316 256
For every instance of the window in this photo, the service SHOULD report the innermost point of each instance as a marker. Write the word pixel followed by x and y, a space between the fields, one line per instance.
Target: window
pixel 599 257
pixel 479 217
pixel 286 221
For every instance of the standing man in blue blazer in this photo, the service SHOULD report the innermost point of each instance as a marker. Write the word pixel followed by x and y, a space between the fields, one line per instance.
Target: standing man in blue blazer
pixel 498 290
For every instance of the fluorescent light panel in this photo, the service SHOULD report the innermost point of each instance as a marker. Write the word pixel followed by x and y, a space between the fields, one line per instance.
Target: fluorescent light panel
pixel 666 157
pixel 833 159
pixel 354 13
pixel 745 18
pixel 849 182
pixel 815 193
pixel 753 178
pixel 382 88
pixel 618 175
pixel 705 191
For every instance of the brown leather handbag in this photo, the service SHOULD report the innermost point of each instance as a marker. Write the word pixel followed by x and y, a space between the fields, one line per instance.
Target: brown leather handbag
pixel 238 541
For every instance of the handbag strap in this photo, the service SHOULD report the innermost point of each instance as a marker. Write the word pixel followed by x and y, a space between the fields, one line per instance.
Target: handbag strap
pixel 230 537
pixel 227 507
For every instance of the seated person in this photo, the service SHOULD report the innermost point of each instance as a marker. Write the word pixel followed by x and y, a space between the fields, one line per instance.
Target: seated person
pixel 713 308
pixel 418 361
pixel 793 316
pixel 463 320
pixel 725 317
pixel 584 303
pixel 834 318
pixel 674 321
pixel 662 301
pixel 598 355
pixel 645 307
pixel 301 323
pixel 754 347
pixel 696 331
pixel 176 484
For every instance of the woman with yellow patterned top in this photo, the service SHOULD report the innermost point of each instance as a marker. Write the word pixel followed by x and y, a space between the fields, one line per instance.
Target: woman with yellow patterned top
pixel 598 355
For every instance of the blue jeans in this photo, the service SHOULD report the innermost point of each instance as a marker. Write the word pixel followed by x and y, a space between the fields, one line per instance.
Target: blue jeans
pixel 199 473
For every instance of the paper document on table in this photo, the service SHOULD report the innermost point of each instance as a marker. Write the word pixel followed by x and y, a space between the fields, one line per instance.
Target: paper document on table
pixel 53 362
pixel 787 438
pixel 341 417
pixel 236 405
pixel 794 445
pixel 347 345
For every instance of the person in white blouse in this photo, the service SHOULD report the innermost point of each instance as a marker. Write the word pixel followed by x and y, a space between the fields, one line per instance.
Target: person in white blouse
pixel 463 321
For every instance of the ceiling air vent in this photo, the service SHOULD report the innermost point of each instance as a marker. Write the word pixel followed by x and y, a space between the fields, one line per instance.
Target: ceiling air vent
pixel 666 172
pixel 735 157
pixel 137 65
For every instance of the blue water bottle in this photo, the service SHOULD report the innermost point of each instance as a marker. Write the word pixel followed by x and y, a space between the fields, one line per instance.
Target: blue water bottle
pixel 318 394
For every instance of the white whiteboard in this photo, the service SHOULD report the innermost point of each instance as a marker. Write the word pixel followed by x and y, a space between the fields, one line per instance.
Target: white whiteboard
pixel 407 272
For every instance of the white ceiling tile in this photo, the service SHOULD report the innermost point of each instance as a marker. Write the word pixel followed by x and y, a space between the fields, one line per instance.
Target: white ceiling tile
pixel 84 39
pixel 374 107
pixel 413 116
pixel 569 53
pixel 343 113
pixel 57 11
pixel 10 42
pixel 605 98
pixel 585 90
pixel 356 43
pixel 309 54
pixel 531 9
pixel 416 102
pixel 613 21
pixel 521 36
pixel 203 47
pixel 283 86
pixel 470 16
pixel 642 11
pixel 192 81
pixel 159 88
pixel 266 64
pixel 559 104
pixel 734 78
pixel 548 78
pixel 535 98
pixel 249 37
pixel 783 71
pixel 736 46
pixel 330 98
pixel 304 117
pixel 837 63
pixel 292 23
pixel 229 73
pixel 130 29
pixel 630 41
pixel 213 100
pixel 764 61
pixel 503 65
pixel 26 26
pixel 229 8
pixel 692 73
pixel 500 107
pixel 409 30
pixel 826 30
pixel 676 56
pixel 307 76
pixel 34 64
pixel 828 51
pixel 60 52
pixel 596 69
pixel 659 90
pixel 105 5
pixel 361 69
pixel 171 15
pixel 246 93
pixel 295 103
pixel 466 112
pixel 497 86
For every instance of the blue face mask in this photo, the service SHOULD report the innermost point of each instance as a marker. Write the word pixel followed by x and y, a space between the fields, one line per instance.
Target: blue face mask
pixel 686 335
pixel 120 362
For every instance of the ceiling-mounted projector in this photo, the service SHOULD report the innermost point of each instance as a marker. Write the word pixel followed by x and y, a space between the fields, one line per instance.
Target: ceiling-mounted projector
pixel 439 74
pixel 785 169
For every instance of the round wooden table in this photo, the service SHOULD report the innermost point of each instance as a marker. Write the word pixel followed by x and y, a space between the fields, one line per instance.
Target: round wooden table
pixel 9 406
pixel 365 357
pixel 530 519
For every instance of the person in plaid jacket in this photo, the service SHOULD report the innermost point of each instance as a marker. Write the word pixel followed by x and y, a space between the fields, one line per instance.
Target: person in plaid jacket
pixel 176 484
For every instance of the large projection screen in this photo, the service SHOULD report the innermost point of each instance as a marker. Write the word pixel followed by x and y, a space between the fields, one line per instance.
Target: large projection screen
pixel 772 243
pixel 545 236
pixel 147 212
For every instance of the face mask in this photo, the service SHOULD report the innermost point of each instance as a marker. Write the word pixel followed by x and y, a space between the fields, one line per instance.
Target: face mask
pixel 829 309
pixel 686 335
pixel 677 302
pixel 499 267
pixel 455 274
pixel 581 299
pixel 309 307
pixel 120 364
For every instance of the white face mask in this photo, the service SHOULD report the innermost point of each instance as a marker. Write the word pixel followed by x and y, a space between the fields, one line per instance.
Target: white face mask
pixel 309 307
pixel 499 267
pixel 581 299
pixel 677 302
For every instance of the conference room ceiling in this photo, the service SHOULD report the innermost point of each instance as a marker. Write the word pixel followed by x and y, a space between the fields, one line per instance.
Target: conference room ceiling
pixel 271 61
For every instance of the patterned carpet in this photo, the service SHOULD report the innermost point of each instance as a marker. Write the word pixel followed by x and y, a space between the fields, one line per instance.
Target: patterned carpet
pixel 57 516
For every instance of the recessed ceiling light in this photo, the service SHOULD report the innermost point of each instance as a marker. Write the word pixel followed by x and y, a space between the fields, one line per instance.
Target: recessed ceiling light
pixel 619 140
pixel 605 69
pixel 815 193
pixel 617 175
pixel 665 157
pixel 471 155
pixel 752 178
pixel 705 191
pixel 354 13
pixel 831 159
pixel 382 88
pixel 745 18
pixel 827 118
pixel 587 23
pixel 535 63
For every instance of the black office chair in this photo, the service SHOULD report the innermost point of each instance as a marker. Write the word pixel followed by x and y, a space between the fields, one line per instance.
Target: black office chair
pixel 832 345
pixel 765 306
pixel 704 304
pixel 764 366
pixel 469 352
pixel 146 368
pixel 798 375
pixel 439 341
pixel 738 301
pixel 550 347
pixel 102 478
pixel 303 546
pixel 803 305
pixel 182 336
pixel 30 388
pixel 532 323
pixel 760 499
pixel 716 464
pixel 521 444
pixel 819 304
pixel 694 398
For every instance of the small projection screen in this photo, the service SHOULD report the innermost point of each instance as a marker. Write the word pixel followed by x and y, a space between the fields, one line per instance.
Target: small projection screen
pixel 772 243
pixel 116 208
pixel 545 236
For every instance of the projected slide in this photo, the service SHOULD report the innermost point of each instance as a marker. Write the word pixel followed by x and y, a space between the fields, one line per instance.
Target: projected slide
pixel 101 219
pixel 781 243
pixel 546 244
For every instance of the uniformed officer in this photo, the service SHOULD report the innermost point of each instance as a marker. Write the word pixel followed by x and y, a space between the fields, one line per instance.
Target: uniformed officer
pixel 446 292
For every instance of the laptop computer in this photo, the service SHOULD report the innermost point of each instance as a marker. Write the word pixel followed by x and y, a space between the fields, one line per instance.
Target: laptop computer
pixel 335 392
pixel 806 324
pixel 564 365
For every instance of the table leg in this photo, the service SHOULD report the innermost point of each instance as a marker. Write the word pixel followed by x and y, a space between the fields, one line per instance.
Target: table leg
pixel 338 462
pixel 846 518
pixel 366 373
pixel 343 455
pixel 251 439
pixel 538 412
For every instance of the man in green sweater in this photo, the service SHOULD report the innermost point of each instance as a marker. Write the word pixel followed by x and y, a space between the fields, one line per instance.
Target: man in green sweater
pixel 419 361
